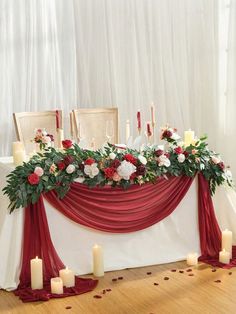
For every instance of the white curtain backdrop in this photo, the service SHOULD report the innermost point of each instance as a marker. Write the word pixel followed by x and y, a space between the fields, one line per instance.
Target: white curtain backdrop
pixel 125 53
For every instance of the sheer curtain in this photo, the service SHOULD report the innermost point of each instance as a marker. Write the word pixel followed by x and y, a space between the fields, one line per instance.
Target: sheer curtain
pixel 103 53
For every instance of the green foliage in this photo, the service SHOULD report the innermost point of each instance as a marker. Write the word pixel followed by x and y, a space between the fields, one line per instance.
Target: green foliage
pixel 197 158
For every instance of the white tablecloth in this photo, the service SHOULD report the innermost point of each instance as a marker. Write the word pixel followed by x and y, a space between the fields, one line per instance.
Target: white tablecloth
pixel 167 241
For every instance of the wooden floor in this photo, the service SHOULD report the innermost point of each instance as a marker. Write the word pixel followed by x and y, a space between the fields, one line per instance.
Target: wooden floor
pixel 147 290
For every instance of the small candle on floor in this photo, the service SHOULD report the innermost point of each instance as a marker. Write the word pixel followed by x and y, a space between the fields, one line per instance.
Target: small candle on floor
pixel 68 277
pixel 224 257
pixel 56 285
pixel 98 267
pixel 192 259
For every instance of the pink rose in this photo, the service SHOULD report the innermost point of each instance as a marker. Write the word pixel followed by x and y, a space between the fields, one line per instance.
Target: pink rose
pixel 116 177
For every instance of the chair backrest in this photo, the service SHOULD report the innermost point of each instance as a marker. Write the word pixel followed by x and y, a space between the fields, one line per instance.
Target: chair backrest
pixel 27 122
pixel 96 126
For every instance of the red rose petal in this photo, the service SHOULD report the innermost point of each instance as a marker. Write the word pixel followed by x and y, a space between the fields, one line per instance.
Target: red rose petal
pixel 149 273
pixel 103 291
pixel 218 281
pixel 114 279
pixel 213 270
pixel 108 290
pixel 181 271
pixel 188 270
pixel 173 270
pixel 97 296
pixel 156 284
pixel 191 274
pixel 68 307
pixel 120 278
pixel 166 278
pixel 230 273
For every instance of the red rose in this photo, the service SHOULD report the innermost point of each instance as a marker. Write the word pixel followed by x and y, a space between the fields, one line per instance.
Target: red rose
pixel 185 154
pixel 61 165
pixel 67 144
pixel 221 165
pixel 68 160
pixel 159 152
pixel 115 163
pixel 33 179
pixel 89 161
pixel 109 172
pixel 130 158
pixel 179 150
pixel 167 155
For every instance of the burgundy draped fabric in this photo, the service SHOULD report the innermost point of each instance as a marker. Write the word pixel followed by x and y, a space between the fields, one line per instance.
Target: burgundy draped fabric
pixel 112 210
pixel 37 242
pixel 209 230
pixel 118 210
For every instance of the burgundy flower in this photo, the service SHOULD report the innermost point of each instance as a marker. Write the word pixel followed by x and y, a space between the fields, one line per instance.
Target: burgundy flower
pixel 166 134
pixel 61 165
pixel 81 167
pixel 109 172
pixel 130 158
pixel 167 155
pixel 115 163
pixel 141 170
pixel 185 154
pixel 179 150
pixel 89 161
pixel 221 165
pixel 33 179
pixel 67 144
pixel 133 176
pixel 159 152
pixel 68 160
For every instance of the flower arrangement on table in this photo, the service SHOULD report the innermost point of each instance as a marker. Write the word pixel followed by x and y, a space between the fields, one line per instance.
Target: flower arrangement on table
pixel 42 138
pixel 57 169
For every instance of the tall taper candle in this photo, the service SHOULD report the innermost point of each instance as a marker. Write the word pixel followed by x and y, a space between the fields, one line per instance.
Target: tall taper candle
pixel 98 266
pixel 153 114
pixel 139 120
pixel 127 131
pixel 36 270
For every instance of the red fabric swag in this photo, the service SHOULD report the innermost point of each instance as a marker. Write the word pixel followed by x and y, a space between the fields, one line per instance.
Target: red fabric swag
pixel 120 211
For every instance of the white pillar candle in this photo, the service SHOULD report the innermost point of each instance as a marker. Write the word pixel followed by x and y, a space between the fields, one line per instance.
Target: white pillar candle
pixel 56 285
pixel 98 267
pixel 192 259
pixel 226 242
pixel 127 131
pixel 17 146
pixel 188 137
pixel 224 257
pixel 68 277
pixel 36 270
pixel 19 157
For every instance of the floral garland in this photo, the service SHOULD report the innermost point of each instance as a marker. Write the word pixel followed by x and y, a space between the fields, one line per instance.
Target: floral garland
pixel 57 169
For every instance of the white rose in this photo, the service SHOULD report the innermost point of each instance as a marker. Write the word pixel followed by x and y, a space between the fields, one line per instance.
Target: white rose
pixel 91 170
pixel 112 156
pixel 181 158
pixel 215 159
pixel 163 161
pixel 79 179
pixel 46 139
pixel 44 132
pixel 142 159
pixel 39 171
pixel 126 169
pixel 70 169
pixel 175 136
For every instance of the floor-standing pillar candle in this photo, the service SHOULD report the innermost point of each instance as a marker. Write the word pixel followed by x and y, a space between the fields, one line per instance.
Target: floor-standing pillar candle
pixel 36 270
pixel 98 265
pixel 227 241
